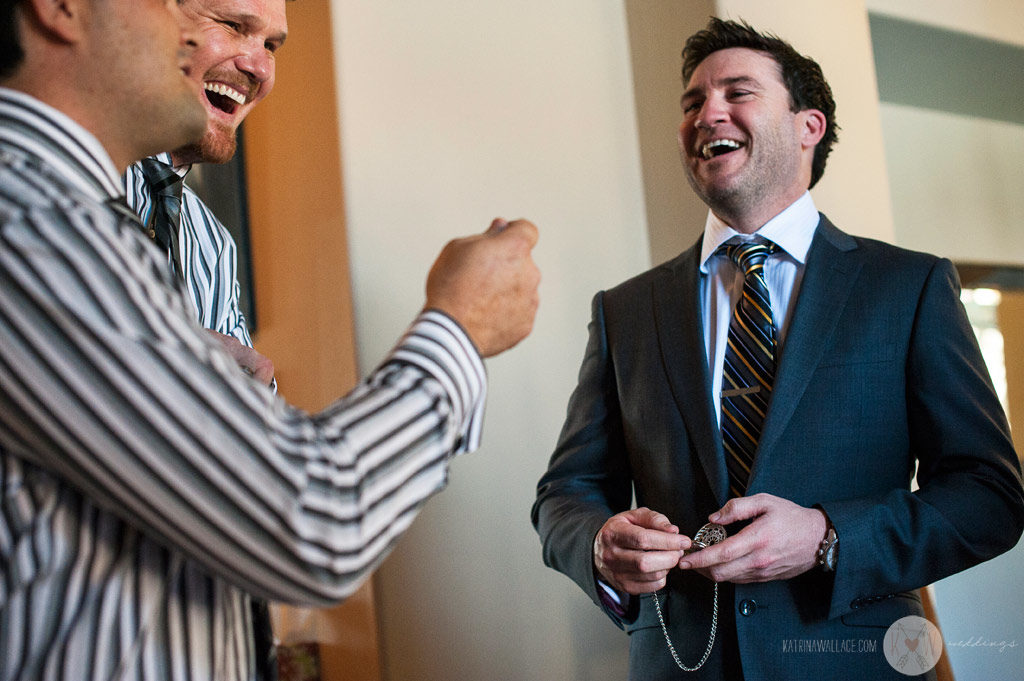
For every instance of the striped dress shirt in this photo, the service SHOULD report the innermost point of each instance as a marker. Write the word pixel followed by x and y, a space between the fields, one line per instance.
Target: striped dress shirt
pixel 147 486
pixel 207 251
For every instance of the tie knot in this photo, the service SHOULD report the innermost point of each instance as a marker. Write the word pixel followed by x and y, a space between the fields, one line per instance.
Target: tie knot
pixel 748 254
pixel 161 177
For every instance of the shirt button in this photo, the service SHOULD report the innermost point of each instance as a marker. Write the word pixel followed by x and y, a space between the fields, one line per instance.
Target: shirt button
pixel 748 607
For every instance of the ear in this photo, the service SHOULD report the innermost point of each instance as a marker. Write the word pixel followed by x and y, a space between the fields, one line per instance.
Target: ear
pixel 61 20
pixel 812 127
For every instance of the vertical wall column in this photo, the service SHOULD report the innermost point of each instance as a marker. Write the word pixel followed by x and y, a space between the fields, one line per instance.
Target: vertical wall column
pixel 657 30
pixel 303 295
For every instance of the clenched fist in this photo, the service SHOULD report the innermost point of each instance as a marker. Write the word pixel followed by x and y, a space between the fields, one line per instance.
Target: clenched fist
pixel 488 283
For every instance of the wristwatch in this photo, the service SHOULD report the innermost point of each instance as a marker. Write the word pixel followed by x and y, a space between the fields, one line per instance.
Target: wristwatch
pixel 829 548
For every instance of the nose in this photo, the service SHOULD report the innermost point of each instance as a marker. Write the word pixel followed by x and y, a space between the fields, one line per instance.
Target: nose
pixel 712 112
pixel 258 62
pixel 189 39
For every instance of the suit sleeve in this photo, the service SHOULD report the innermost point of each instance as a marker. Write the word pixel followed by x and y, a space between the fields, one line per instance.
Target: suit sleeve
pixel 587 480
pixel 969 505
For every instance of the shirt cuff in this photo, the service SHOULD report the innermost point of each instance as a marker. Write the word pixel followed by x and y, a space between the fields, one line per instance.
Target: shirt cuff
pixel 439 346
pixel 622 604
pixel 613 600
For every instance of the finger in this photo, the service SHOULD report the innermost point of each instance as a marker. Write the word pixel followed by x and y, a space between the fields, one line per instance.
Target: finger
pixel 264 371
pixel 651 565
pixel 645 517
pixel 723 553
pixel 640 565
pixel 740 508
pixel 644 539
pixel 638 586
pixel 719 572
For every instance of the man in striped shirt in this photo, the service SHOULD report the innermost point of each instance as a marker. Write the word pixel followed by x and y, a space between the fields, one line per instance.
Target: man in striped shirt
pixel 149 487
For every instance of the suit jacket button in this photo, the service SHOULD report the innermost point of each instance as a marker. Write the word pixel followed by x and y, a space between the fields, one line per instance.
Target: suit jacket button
pixel 748 607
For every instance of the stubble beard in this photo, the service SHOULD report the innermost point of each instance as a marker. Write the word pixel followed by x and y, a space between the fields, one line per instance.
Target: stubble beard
pixel 216 146
pixel 752 189
pixel 724 200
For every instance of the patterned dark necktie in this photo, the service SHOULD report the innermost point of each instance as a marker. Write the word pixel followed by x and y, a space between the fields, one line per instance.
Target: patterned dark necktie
pixel 749 368
pixel 165 218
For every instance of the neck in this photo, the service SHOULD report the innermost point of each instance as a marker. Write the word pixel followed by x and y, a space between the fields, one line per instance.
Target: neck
pixel 68 102
pixel 749 219
pixel 178 162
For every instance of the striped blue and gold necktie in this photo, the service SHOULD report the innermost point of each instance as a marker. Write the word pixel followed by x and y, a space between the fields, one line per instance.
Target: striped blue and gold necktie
pixel 749 368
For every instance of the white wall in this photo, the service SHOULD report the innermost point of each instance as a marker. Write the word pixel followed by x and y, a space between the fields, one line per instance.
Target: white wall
pixel 454 111
pixel 956 184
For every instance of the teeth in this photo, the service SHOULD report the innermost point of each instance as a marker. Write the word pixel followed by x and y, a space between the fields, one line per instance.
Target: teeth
pixel 707 151
pixel 229 92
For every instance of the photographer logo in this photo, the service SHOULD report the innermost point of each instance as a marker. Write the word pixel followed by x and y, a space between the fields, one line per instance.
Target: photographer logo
pixel 912 645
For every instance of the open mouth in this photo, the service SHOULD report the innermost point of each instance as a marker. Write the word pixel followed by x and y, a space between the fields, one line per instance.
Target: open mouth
pixel 223 97
pixel 720 147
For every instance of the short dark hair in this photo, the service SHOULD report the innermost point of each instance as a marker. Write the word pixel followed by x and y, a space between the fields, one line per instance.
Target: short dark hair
pixel 11 53
pixel 801 75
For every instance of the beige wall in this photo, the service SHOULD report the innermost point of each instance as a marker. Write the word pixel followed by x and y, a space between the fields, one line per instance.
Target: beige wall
pixel 452 112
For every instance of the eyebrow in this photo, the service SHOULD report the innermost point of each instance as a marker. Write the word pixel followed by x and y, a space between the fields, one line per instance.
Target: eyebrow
pixel 248 19
pixel 722 82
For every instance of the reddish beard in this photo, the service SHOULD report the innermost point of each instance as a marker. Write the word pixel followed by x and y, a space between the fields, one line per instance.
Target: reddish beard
pixel 218 145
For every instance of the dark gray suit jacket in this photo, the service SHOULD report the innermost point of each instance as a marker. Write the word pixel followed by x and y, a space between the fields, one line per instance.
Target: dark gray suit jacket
pixel 880 372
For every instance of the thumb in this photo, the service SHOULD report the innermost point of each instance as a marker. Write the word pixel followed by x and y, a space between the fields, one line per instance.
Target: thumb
pixel 498 226
pixel 522 229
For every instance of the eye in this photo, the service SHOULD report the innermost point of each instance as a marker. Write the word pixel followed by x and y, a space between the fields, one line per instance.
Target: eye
pixel 233 25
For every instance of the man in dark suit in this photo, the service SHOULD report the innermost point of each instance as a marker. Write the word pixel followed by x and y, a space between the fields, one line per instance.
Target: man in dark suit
pixel 800 434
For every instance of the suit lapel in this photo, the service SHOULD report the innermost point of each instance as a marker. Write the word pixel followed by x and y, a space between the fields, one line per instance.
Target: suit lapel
pixel 679 324
pixel 832 267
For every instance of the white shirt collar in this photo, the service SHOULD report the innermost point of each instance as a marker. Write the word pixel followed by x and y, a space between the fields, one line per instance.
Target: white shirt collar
pixel 792 229
pixel 77 151
pixel 165 158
